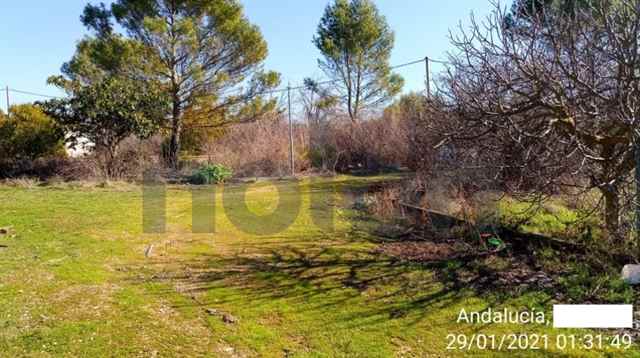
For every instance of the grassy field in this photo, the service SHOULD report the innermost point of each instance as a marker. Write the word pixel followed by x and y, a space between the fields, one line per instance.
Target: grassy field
pixel 75 280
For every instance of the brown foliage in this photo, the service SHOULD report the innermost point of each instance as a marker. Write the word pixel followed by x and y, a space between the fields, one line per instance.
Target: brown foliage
pixel 259 149
pixel 369 146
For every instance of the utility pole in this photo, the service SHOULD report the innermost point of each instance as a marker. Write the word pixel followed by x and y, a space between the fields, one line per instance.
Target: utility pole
pixel 426 63
pixel 8 103
pixel 291 158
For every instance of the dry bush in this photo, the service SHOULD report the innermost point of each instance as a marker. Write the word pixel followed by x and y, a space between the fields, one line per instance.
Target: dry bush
pixel 377 144
pixel 386 203
pixel 260 148
pixel 373 145
pixel 38 168
pixel 411 199
pixel 440 148
pixel 133 156
pixel 22 182
pixel 331 143
pixel 79 168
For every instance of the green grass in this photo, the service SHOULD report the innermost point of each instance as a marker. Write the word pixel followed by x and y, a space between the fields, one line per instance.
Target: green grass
pixel 552 217
pixel 75 280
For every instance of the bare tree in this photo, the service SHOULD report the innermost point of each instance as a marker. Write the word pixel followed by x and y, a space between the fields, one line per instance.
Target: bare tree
pixel 564 95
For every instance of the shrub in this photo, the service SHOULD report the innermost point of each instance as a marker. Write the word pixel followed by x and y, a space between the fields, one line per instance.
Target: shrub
pixel 331 143
pixel 28 134
pixel 133 157
pixel 260 148
pixel 210 174
pixel 374 145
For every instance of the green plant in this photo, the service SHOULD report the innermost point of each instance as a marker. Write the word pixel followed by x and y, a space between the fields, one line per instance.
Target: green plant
pixel 27 134
pixel 106 112
pixel 496 242
pixel 210 174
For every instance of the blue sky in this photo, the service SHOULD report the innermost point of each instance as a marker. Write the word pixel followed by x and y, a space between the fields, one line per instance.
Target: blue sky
pixel 37 36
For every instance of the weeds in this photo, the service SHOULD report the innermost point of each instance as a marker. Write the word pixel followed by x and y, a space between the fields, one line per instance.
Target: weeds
pixel 210 174
pixel 23 182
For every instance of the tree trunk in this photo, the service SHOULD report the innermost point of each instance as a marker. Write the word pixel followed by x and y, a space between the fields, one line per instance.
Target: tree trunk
pixel 174 145
pixel 176 132
pixel 350 106
pixel 110 155
pixel 612 210
pixel 611 194
pixel 636 148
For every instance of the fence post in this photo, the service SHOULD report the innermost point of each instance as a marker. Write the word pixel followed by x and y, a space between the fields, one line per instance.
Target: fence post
pixel 8 103
pixel 426 63
pixel 291 158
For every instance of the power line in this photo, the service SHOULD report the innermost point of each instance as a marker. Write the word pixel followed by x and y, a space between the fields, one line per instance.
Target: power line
pixel 267 92
pixel 32 93
pixel 422 60
pixel 440 61
pixel 325 82
pixel 408 64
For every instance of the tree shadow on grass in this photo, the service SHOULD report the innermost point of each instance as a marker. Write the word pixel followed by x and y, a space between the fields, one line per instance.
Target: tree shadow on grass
pixel 322 272
pixel 333 275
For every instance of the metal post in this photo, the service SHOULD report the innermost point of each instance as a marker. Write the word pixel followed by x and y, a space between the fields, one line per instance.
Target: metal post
pixel 291 158
pixel 428 86
pixel 8 104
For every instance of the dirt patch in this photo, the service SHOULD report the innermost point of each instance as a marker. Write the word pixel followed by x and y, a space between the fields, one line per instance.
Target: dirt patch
pixel 422 251
pixel 511 271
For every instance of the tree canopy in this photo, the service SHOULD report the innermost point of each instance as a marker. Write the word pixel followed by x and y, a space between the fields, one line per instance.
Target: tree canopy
pixel 356 42
pixel 110 96
pixel 530 7
pixel 524 11
pixel 108 111
pixel 205 53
